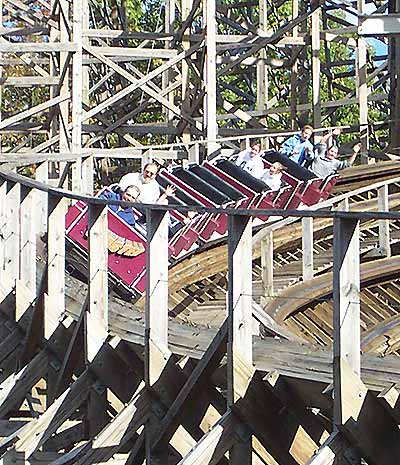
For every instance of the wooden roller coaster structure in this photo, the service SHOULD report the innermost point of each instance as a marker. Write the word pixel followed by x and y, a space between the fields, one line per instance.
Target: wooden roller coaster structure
pixel 275 346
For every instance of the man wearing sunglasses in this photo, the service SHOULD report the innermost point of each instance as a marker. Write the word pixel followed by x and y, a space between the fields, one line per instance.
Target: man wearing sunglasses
pixel 146 182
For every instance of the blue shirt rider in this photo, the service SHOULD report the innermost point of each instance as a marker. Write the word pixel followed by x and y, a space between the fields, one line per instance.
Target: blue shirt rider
pixel 298 146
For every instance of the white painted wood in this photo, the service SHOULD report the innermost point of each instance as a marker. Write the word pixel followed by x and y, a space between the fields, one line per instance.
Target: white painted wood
pixel 267 265
pixel 384 226
pixel 77 93
pixel 156 343
pixel 97 314
pixel 87 175
pixel 12 233
pixel 346 318
pixel 3 222
pixel 55 301
pixel 210 76
pixel 27 252
pixel 307 248
pixel 316 67
pixel 379 24
pixel 41 175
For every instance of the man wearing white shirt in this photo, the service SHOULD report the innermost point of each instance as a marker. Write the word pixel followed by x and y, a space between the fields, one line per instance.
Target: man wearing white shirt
pixel 146 182
pixel 250 160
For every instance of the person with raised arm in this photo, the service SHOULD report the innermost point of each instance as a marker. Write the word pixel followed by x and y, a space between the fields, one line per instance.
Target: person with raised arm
pixel 324 159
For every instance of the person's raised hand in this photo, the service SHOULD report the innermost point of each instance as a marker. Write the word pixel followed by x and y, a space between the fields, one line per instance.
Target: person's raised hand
pixel 336 132
pixel 169 191
pixel 357 147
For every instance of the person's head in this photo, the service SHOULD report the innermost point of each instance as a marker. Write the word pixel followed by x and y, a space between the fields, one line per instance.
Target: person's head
pixel 131 194
pixel 332 152
pixel 276 168
pixel 306 132
pixel 149 172
pixel 255 149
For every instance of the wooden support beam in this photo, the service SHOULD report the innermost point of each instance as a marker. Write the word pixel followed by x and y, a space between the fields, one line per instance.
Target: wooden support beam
pixel 55 301
pixel 384 225
pixel 15 388
pixel 240 341
pixel 97 314
pixel 213 445
pixel 210 126
pixel 11 234
pixel 346 317
pixel 316 67
pixel 307 239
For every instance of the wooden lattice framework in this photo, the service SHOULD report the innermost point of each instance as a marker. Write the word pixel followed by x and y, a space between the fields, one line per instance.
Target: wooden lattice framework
pixel 211 70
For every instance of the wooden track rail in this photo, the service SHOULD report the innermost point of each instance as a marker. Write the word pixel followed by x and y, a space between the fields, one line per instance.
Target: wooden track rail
pixel 81 390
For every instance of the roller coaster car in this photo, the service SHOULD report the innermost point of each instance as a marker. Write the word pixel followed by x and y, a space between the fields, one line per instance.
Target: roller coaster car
pixel 221 184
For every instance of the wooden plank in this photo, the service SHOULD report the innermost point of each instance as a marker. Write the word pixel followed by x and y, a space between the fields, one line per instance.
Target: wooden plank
pixel 55 299
pixel 156 295
pixel 97 315
pixel 213 445
pixel 12 235
pixel 239 302
pixel 308 248
pixel 346 308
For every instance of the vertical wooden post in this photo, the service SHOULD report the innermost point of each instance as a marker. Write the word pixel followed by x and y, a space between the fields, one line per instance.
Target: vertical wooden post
pixel 3 223
pixel 97 315
pixel 239 299
pixel 316 67
pixel 294 71
pixel 77 94
pixel 156 333
pixel 267 267
pixel 26 285
pixel 167 75
pixel 307 247
pixel 210 75
pixel 55 302
pixel 239 350
pixel 346 316
pixel 42 175
pixel 87 174
pixel 362 88
pixel 156 293
pixel 384 226
pixel 194 153
pixel 186 6
pixel 12 234
pixel 262 68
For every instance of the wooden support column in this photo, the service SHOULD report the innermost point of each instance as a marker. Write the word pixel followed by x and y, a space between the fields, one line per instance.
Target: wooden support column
pixel 262 68
pixel 11 235
pixel 87 175
pixel 42 175
pixel 362 88
pixel 186 7
pixel 346 317
pixel 267 267
pixel 384 226
pixel 157 353
pixel 316 67
pixel 55 301
pixel 168 74
pixel 239 351
pixel 294 71
pixel 210 76
pixel 77 93
pixel 97 315
pixel 3 225
pixel 308 249
pixel 26 284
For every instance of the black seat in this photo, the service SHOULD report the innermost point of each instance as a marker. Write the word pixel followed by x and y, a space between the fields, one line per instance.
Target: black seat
pixel 197 183
pixel 242 176
pixel 182 196
pixel 293 168
pixel 216 182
